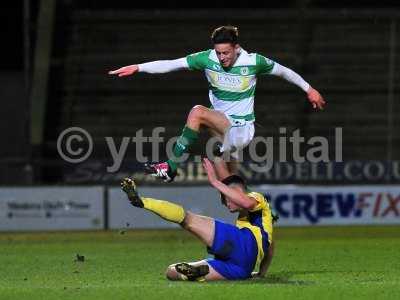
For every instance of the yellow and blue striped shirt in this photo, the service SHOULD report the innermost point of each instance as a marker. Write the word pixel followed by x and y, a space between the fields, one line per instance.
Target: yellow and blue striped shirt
pixel 259 221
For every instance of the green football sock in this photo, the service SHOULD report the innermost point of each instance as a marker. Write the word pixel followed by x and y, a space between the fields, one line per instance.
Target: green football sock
pixel 182 145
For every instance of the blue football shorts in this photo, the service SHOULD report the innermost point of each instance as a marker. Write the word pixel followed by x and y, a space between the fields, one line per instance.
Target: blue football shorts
pixel 235 251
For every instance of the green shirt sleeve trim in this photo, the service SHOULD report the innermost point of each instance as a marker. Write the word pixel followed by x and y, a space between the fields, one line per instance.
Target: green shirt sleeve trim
pixel 264 65
pixel 198 61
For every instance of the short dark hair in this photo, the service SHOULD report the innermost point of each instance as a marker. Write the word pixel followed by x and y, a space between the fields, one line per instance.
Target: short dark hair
pixel 225 34
pixel 232 179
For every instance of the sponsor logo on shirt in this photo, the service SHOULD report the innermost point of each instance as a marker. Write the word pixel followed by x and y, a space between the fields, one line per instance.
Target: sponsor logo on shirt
pixel 228 82
pixel 244 71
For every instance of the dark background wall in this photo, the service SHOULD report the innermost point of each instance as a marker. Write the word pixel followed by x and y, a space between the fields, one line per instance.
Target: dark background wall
pixel 343 52
pixel 13 94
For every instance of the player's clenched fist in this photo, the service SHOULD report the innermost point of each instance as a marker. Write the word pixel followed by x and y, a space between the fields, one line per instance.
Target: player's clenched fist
pixel 125 71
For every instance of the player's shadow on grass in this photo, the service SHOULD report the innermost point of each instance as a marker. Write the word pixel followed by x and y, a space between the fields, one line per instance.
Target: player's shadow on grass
pixel 284 277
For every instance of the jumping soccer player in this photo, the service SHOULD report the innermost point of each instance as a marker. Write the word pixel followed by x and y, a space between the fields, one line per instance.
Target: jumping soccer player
pixel 237 249
pixel 232 74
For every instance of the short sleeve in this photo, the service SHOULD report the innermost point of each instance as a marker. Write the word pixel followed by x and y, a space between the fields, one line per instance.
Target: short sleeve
pixel 264 65
pixel 260 200
pixel 198 61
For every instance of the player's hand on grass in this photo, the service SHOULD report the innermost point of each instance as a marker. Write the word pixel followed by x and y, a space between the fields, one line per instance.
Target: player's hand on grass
pixel 315 98
pixel 209 168
pixel 125 71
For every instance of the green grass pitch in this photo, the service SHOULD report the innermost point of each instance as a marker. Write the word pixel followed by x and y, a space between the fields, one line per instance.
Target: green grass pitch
pixel 310 263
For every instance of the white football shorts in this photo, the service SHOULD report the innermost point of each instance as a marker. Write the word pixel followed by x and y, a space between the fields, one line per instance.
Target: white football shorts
pixel 237 137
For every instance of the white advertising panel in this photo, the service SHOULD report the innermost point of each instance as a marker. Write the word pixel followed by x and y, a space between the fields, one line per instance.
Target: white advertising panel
pixel 51 208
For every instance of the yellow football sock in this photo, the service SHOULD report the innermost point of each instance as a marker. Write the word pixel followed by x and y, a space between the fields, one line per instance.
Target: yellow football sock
pixel 166 210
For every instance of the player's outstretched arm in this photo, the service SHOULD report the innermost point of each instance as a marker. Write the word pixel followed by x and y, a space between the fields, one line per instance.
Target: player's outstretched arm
pixel 154 67
pixel 315 98
pixel 266 262
pixel 238 197
pixel 125 71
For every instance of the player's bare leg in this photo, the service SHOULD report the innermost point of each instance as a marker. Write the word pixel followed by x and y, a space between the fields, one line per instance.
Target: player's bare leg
pixel 199 116
pixel 201 226
pixel 210 118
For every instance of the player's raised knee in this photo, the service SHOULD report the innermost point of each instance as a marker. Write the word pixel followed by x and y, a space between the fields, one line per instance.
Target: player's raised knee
pixel 171 273
pixel 198 112
pixel 188 221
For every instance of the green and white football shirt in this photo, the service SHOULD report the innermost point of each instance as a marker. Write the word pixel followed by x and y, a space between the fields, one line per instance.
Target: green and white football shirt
pixel 232 90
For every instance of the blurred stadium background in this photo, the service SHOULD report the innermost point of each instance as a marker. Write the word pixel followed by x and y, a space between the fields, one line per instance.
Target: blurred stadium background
pixel 53 75
pixel 58 54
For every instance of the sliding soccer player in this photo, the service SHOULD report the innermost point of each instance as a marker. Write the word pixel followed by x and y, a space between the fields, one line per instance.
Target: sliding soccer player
pixel 238 248
pixel 232 74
